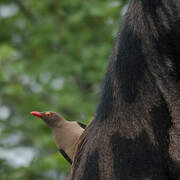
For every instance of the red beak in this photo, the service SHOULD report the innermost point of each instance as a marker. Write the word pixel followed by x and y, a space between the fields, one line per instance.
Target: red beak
pixel 36 113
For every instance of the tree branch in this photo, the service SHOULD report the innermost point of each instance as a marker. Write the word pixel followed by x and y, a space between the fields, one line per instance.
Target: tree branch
pixel 25 11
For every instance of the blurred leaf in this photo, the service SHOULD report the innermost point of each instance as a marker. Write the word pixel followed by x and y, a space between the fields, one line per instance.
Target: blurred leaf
pixel 57 62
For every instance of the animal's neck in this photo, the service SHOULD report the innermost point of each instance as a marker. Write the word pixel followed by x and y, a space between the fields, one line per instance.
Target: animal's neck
pixel 66 137
pixel 145 58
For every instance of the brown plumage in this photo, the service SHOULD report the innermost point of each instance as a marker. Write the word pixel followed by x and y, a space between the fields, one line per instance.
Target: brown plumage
pixel 66 133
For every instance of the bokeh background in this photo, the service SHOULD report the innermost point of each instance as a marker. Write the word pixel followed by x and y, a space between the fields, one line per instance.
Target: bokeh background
pixel 53 56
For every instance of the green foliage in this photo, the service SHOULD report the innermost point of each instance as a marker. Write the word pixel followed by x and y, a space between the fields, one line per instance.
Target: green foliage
pixel 53 56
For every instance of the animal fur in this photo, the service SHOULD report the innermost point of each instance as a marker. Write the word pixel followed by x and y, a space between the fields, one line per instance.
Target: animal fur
pixel 135 134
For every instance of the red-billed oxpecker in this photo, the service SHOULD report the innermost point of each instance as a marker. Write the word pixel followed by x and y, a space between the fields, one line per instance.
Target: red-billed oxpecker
pixel 66 133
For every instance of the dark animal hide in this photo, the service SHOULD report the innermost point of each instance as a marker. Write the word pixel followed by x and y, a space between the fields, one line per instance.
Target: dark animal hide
pixel 135 134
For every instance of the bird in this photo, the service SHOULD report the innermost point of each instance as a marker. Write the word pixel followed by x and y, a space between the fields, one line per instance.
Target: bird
pixel 66 133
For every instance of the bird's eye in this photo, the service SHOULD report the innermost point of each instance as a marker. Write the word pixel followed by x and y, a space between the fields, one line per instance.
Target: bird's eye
pixel 48 114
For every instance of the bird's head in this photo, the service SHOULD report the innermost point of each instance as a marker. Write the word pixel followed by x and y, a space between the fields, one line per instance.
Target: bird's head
pixel 52 119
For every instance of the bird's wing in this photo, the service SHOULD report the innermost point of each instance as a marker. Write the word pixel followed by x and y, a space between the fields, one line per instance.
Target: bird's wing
pixel 82 125
pixel 65 156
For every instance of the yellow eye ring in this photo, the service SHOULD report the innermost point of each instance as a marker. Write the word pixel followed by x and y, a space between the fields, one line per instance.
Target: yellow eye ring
pixel 48 114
